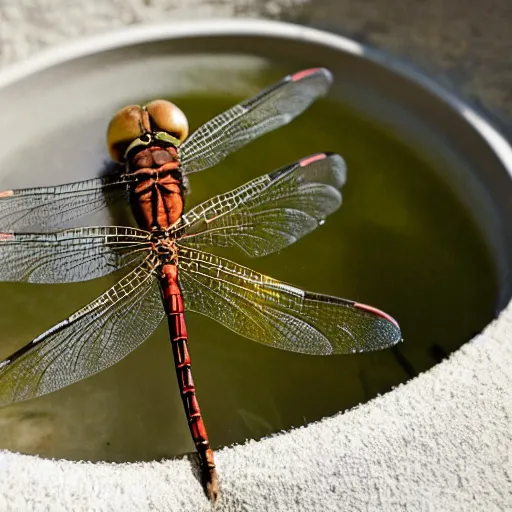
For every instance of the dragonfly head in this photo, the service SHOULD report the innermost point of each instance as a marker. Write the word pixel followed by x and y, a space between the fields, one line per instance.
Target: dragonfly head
pixel 160 119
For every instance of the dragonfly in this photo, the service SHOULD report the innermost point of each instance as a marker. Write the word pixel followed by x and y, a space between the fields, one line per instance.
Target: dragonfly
pixel 168 269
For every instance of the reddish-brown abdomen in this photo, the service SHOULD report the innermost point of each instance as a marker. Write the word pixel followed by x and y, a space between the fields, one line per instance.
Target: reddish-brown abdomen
pixel 173 302
pixel 171 289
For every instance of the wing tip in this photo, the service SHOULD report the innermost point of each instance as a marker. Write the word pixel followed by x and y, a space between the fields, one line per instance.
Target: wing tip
pixel 305 73
pixel 339 166
pixel 378 312
pixel 303 162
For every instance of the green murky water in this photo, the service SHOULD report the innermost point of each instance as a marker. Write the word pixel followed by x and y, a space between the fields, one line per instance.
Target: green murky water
pixel 401 241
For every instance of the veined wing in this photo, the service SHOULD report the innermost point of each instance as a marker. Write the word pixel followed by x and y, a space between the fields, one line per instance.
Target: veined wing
pixel 70 255
pixel 279 315
pixel 271 108
pixel 49 208
pixel 89 341
pixel 270 212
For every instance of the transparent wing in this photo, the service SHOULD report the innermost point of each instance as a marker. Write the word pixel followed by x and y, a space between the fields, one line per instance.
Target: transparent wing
pixel 48 208
pixel 270 212
pixel 70 255
pixel 279 315
pixel 271 108
pixel 89 341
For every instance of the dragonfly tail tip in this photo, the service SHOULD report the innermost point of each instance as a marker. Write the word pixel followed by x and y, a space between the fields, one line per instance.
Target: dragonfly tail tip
pixel 211 484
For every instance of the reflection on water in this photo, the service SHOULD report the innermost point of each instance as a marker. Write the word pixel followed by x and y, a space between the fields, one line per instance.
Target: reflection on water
pixel 401 242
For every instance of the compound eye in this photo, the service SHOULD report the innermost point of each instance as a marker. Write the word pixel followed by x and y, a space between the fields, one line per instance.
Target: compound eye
pixel 167 117
pixel 126 126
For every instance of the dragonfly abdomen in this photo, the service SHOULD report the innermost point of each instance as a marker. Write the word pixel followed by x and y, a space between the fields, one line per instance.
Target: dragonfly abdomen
pixel 173 303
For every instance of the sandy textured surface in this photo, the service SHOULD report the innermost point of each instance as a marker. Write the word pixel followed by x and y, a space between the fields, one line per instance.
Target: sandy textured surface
pixel 441 442
pixel 465 44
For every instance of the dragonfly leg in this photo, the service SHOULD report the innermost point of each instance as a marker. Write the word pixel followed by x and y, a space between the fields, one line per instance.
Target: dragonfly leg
pixel 178 333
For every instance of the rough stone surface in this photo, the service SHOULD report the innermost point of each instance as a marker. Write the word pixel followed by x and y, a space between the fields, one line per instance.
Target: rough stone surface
pixel 464 44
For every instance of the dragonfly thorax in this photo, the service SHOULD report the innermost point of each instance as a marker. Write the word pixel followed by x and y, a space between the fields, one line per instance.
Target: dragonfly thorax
pixel 155 157
pixel 164 248
pixel 156 197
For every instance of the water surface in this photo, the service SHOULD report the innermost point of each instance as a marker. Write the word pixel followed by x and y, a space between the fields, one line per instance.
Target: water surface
pixel 401 242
